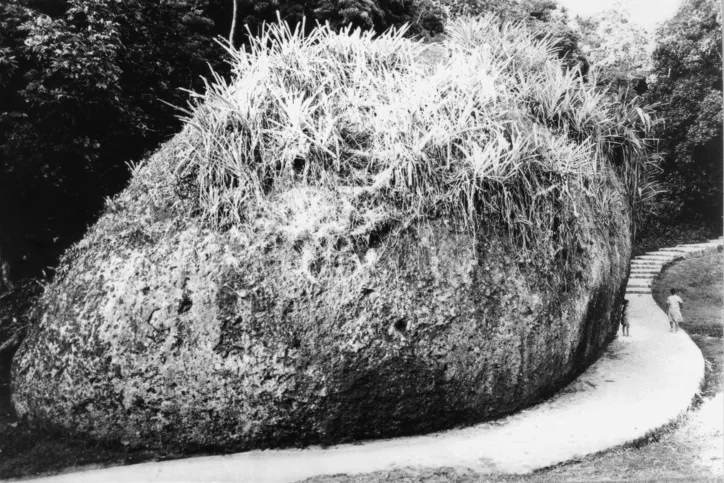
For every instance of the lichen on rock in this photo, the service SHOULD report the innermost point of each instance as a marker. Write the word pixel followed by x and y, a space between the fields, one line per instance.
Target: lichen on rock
pixel 277 290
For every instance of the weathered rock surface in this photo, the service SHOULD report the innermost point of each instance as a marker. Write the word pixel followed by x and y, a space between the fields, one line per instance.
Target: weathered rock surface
pixel 157 331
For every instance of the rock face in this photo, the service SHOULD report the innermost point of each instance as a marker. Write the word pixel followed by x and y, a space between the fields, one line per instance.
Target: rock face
pixel 158 331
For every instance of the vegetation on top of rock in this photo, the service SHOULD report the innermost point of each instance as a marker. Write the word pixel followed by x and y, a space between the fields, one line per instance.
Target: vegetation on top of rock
pixel 83 83
pixel 498 131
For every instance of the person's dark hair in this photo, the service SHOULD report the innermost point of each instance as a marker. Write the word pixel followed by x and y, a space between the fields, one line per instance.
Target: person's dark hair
pixel 673 291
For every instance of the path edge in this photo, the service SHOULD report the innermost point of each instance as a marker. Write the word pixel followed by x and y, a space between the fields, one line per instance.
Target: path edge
pixel 690 250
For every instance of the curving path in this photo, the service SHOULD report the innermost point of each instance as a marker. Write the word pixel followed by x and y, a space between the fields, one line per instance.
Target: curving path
pixel 640 383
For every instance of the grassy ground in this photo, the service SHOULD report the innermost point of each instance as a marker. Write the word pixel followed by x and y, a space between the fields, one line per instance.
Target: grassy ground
pixel 689 450
pixel 698 282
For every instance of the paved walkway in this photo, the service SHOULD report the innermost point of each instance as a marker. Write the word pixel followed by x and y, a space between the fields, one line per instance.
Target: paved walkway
pixel 641 383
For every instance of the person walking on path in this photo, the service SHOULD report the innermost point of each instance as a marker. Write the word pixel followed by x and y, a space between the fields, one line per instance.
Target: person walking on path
pixel 673 310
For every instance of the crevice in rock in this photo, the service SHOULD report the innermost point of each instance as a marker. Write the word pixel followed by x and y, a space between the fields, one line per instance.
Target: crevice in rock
pixel 185 304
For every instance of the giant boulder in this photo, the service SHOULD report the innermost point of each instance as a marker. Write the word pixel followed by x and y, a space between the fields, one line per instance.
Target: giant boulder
pixel 163 329
pixel 158 331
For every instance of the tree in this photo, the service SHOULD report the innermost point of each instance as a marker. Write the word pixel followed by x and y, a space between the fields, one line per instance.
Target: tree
pixel 618 49
pixel 233 21
pixel 82 95
pixel 424 17
pixel 687 82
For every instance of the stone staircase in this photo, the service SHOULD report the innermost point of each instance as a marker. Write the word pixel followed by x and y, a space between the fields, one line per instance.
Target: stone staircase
pixel 645 268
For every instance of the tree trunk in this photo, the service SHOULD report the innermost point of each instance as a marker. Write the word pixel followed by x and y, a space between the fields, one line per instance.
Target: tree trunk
pixel 5 282
pixel 233 24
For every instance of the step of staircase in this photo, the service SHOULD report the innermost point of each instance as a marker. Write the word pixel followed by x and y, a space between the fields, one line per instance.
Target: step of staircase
pixel 672 253
pixel 639 284
pixel 698 245
pixel 646 264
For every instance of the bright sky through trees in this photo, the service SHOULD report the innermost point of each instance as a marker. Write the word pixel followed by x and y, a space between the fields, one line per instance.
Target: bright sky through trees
pixel 647 13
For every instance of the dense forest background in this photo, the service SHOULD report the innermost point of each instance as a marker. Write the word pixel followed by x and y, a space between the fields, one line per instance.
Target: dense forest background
pixel 88 87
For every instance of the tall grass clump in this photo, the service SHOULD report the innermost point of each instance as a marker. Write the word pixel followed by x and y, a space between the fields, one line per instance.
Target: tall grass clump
pixel 331 136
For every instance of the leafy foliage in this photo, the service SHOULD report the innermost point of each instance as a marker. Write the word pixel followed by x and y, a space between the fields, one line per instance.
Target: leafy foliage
pixel 662 232
pixel 688 84
pixel 83 94
pixel 424 17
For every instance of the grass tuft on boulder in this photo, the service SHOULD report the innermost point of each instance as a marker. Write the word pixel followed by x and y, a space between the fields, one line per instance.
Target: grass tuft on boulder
pixel 497 131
